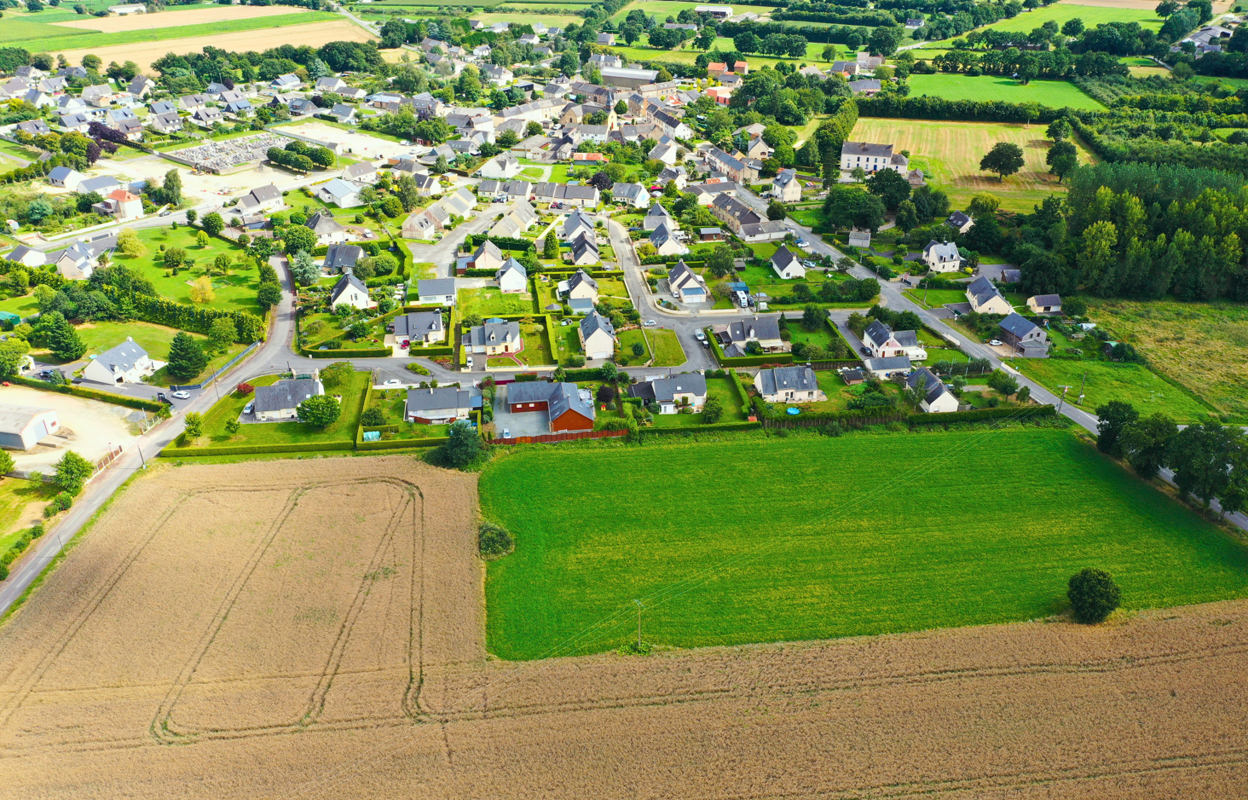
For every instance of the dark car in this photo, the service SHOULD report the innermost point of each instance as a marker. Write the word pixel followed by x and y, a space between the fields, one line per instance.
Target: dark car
pixel 866 351
pixel 161 397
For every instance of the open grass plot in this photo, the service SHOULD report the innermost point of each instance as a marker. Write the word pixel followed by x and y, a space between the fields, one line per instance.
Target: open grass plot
pixel 1132 383
pixel 949 155
pixel 1202 346
pixel 154 339
pixel 235 291
pixel 488 300
pixel 661 9
pixel 1092 15
pixel 982 88
pixel 21 505
pixel 74 38
pixel 830 537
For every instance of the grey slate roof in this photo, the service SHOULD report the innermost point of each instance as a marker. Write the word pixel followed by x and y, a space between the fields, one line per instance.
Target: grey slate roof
pixel 323 222
pixel 783 257
pixel 435 286
pixel 596 322
pixel 121 358
pixel 567 397
pixel 795 379
pixel 891 363
pixel 932 387
pixel 664 390
pixel 286 394
pixel 983 290
pixel 877 333
pixel 958 218
pixel 418 323
pixel 438 398
pixel 346 280
pixel 866 149
pixel 530 392
pixel 1018 325
pixel 1048 299
pixel 494 332
pixel 342 256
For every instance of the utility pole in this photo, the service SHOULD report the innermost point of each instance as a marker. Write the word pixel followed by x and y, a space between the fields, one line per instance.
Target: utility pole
pixel 640 607
pixel 1063 402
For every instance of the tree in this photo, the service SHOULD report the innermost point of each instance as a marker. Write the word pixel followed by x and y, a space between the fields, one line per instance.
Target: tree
pixel 391 207
pixel 507 139
pixel 776 211
pixel 1112 418
pixel 812 317
pixel 129 243
pixel 534 129
pixel 268 295
pixel 550 245
pixel 720 261
pixel 193 425
pixel 337 373
pixel 890 186
pixel 191 214
pixel 72 473
pixel 1072 27
pixel 222 334
pixel 213 223
pixel 320 410
pixel 1005 158
pixel 202 291
pixel 6 463
pixel 462 446
pixel 173 187
pixel 201 239
pixel 983 204
pixel 221 264
pixel 296 238
pixel 1093 595
pixel 1204 457
pixel 1146 444
pixel 186 358
pixel 884 40
pixel 1059 130
pixel 712 410
pixel 63 340
pixel 11 357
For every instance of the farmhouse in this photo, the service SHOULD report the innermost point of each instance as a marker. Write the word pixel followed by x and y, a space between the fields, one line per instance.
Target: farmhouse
pixel 786 264
pixel 937 398
pixel 494 337
pixel 435 292
pixel 438 406
pixel 426 327
pixel 1045 304
pixel 567 407
pixel 686 390
pixel 512 277
pixel 942 256
pixel 125 363
pixel 986 298
pixel 597 336
pixel 886 343
pixel 281 400
pixel 687 286
pixel 22 427
pixel 349 291
pixel 735 337
pixel 871 157
pixel 1027 338
pixel 789 385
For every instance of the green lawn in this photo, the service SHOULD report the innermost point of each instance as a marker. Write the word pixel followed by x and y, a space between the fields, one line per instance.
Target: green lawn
pixel 235 291
pixel 487 300
pixel 667 349
pixel 721 388
pixel 624 351
pixel 23 305
pixel 65 38
pixel 229 408
pixel 830 557
pixel 15 496
pixel 1133 383
pixel 393 403
pixel 1057 94
pixel 30 30
pixel 936 297
pixel 1091 16
pixel 155 339
pixel 661 9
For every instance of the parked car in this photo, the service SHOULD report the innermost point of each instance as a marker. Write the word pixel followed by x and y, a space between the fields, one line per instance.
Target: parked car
pixel 506 433
pixel 161 397
pixel 182 395
pixel 995 343
pixel 393 382
pixel 247 409
pixel 866 351
pixel 700 335
pixel 651 323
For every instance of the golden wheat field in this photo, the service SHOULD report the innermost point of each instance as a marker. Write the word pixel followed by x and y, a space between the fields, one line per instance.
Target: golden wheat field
pixel 176 17
pixel 314 628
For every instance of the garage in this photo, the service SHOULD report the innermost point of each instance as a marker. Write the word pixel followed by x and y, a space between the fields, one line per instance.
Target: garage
pixel 22 427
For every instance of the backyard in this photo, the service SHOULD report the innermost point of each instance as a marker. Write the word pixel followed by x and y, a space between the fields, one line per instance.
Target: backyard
pixel 720 388
pixel 488 301
pixel 661 344
pixel 830 557
pixel 393 404
pixel 154 339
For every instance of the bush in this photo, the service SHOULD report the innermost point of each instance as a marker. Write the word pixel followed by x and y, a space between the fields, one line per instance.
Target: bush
pixel 72 472
pixel 372 417
pixel 417 368
pixel 244 389
pixel 493 541
pixel 1093 595
pixel 63 502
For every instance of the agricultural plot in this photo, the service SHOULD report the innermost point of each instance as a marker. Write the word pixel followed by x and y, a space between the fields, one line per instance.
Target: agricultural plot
pixel 182 16
pixel 829 558
pixel 1092 15
pixel 983 88
pixel 661 9
pixel 73 38
pixel 1132 383
pixel 949 155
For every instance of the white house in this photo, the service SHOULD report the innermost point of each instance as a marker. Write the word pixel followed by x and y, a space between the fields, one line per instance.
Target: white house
pixel 686 390
pixel 886 343
pixel 435 292
pixel 656 216
pixel 597 336
pixel 500 168
pixel 512 277
pixel 339 193
pixel 872 157
pixel 350 291
pixel 420 326
pixel 22 427
pixel 125 363
pixel 936 397
pixel 942 256
pixel 438 405
pixel 260 199
pixel 787 188
pixel 686 285
pixel 65 178
pixel 960 221
pixel 789 385
pixel 665 243
pixel 1045 304
pixel 488 256
pixel 787 264
pixel 327 229
pixel 986 298
pixel 281 400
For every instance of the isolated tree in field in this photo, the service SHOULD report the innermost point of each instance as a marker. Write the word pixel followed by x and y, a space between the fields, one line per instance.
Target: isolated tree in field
pixel 221 264
pixel 493 541
pixel 174 257
pixel 720 261
pixel 202 291
pixel 222 334
pixel 212 223
pixel 64 341
pixel 193 425
pixel 1093 595
pixel 1005 158
pixel 1059 130
pixel 462 445
pixel 269 295
pixel 319 410
pixel 304 269
pixel 72 472
pixel 550 246
pixel 1146 444
pixel 1112 419
pixel 712 410
pixel 1062 159
pixel 186 358
pixel 129 243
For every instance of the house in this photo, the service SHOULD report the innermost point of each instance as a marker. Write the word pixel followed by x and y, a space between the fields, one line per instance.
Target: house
pixel 360 172
pixel 872 158
pixel 986 298
pixel 960 221
pixel 499 76
pixel 487 256
pixel 494 337
pixel 141 86
pixel 435 292
pixel 335 85
pixel 686 285
pixel 191 102
pixel 120 205
pixel 673 174
pixel 580 287
pixel 339 193
pixel 607 39
pixel 789 385
pixel 1045 304
pixel 77 122
pixel 260 200
pixel 601 60
pixel 1026 337
pixel 686 390
pixel 125 363
pixel 286 82
pixel 165 123
pixel 512 277
pixel 706 193
pixel 99 96
pixel 66 178
pixel 597 336
pixel 936 396
pixel 343 113
pixel 787 188
pixel 500 168
pixel 730 165
pixel 745 222
pixel 22 427
pixel 866 86
pixel 585 252
pixel 438 406
pixel 886 343
pixel 666 151
pixel 859 239
pixel 883 368
pixel 580 196
pixel 281 400
pixel 942 256
pixel 735 337
pixel 519 218
pixel 711 234
pixel 656 216
pixel 101 184
pixel 633 194
pixel 490 190
pixel 567 407
pixel 787 264
pixel 349 291
pixel 35 127
pixel 715 12
pixel 342 257
pixel 327 229
pixel 420 326
pixel 664 241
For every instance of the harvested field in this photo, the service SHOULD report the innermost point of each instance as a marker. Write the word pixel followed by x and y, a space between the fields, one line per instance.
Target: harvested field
pixel 313 34
pixel 175 18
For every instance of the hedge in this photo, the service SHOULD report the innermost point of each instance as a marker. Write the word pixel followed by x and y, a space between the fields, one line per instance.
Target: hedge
pixel 91 394
pixel 748 361
pixel 395 444
pixel 981 414
pixel 242 450
pixel 714 428
pixel 429 352
pixel 374 352
pixel 502 242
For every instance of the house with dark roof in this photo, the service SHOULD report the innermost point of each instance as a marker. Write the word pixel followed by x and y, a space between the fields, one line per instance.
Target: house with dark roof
pixel 934 396
pixel 872 158
pixel 567 407
pixel 327 229
pixel 438 405
pixel 960 221
pixel 494 337
pixel 673 393
pixel 580 287
pixel 1026 337
pixel 125 363
pixel 787 264
pixel 884 342
pixel 686 285
pixel 735 337
pixel 350 291
pixel 419 326
pixel 512 277
pixel 435 292
pixel 597 336
pixel 656 216
pixel 887 367
pixel 260 199
pixel 585 252
pixel 942 256
pixel 342 257
pixel 986 298
pixel 789 385
pixel 281 400
pixel 1045 304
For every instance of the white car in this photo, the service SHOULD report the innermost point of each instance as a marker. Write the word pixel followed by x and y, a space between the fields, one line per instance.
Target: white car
pixel 506 433
pixel 651 323
pixel 699 335
pixel 182 395
pixel 393 382
pixel 993 343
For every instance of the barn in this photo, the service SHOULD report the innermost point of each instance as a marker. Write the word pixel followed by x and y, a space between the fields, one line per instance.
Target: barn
pixel 22 427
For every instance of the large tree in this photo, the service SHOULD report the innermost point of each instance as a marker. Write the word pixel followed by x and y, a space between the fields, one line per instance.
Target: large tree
pixel 1146 444
pixel 890 186
pixel 72 472
pixel 1112 419
pixel 63 340
pixel 186 358
pixel 320 410
pixel 1005 158
pixel 1093 595
pixel 462 445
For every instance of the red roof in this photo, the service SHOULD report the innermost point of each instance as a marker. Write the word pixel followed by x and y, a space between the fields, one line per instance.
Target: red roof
pixel 122 196
pixel 719 65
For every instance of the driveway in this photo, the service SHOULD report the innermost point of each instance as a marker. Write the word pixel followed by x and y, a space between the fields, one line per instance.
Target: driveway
pixel 528 423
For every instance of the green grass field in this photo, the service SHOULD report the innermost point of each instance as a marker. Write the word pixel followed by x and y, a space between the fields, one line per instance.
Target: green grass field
pixel 30 31
pixel 24 305
pixel 803 550
pixel 1133 383
pixel 1057 94
pixel 67 40
pixel 234 292
pixel 663 8
pixel 15 496
pixel 488 300
pixel 687 54
pixel 1091 16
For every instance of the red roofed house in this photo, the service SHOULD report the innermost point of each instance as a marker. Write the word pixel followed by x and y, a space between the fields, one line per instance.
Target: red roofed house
pixel 715 69
pixel 720 94
pixel 741 68
pixel 120 205
pixel 589 157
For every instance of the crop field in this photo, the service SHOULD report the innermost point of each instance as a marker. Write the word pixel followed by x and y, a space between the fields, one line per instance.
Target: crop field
pixel 949 154
pixel 301 30
pixel 314 628
pixel 85 38
pixel 1202 346
pixel 662 8
pixel 1056 94
pixel 214 14
pixel 828 559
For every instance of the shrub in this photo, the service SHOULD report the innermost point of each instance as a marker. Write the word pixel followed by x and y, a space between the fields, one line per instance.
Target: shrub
pixel 493 541
pixel 372 416
pixel 63 502
pixel 417 368
pixel 712 410
pixel 244 389
pixel 232 427
pixel 1093 595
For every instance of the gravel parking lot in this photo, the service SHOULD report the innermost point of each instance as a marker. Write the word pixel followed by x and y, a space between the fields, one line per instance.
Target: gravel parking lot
pixel 92 426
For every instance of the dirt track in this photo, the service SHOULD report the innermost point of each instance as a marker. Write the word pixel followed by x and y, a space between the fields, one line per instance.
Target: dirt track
pixel 174 18
pixel 312 629
pixel 313 34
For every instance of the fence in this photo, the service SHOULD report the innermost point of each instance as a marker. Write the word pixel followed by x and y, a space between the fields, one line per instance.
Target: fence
pixel 102 463
pixel 551 438
pixel 219 372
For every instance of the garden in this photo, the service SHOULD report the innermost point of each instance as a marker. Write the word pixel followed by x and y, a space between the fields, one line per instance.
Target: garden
pixel 231 290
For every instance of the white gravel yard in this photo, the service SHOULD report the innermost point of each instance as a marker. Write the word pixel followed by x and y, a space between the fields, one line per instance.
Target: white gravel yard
pixel 92 426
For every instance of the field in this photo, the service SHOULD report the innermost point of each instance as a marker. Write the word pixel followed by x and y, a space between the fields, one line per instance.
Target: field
pixel 1057 94
pixel 687 54
pixel 25 30
pixel 827 559
pixel 1092 15
pixel 488 300
pixel 144 51
pixel 207 14
pixel 21 505
pixel 663 8
pixel 74 38
pixel 949 154
pixel 235 291
pixel 325 640
pixel 1202 346
pixel 1107 381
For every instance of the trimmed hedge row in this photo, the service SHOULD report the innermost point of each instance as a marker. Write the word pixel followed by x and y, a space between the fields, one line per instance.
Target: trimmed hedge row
pixel 396 444
pixel 502 242
pixel 91 394
pixel 429 352
pixel 715 428
pixel 981 414
pixel 374 352
pixel 252 449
